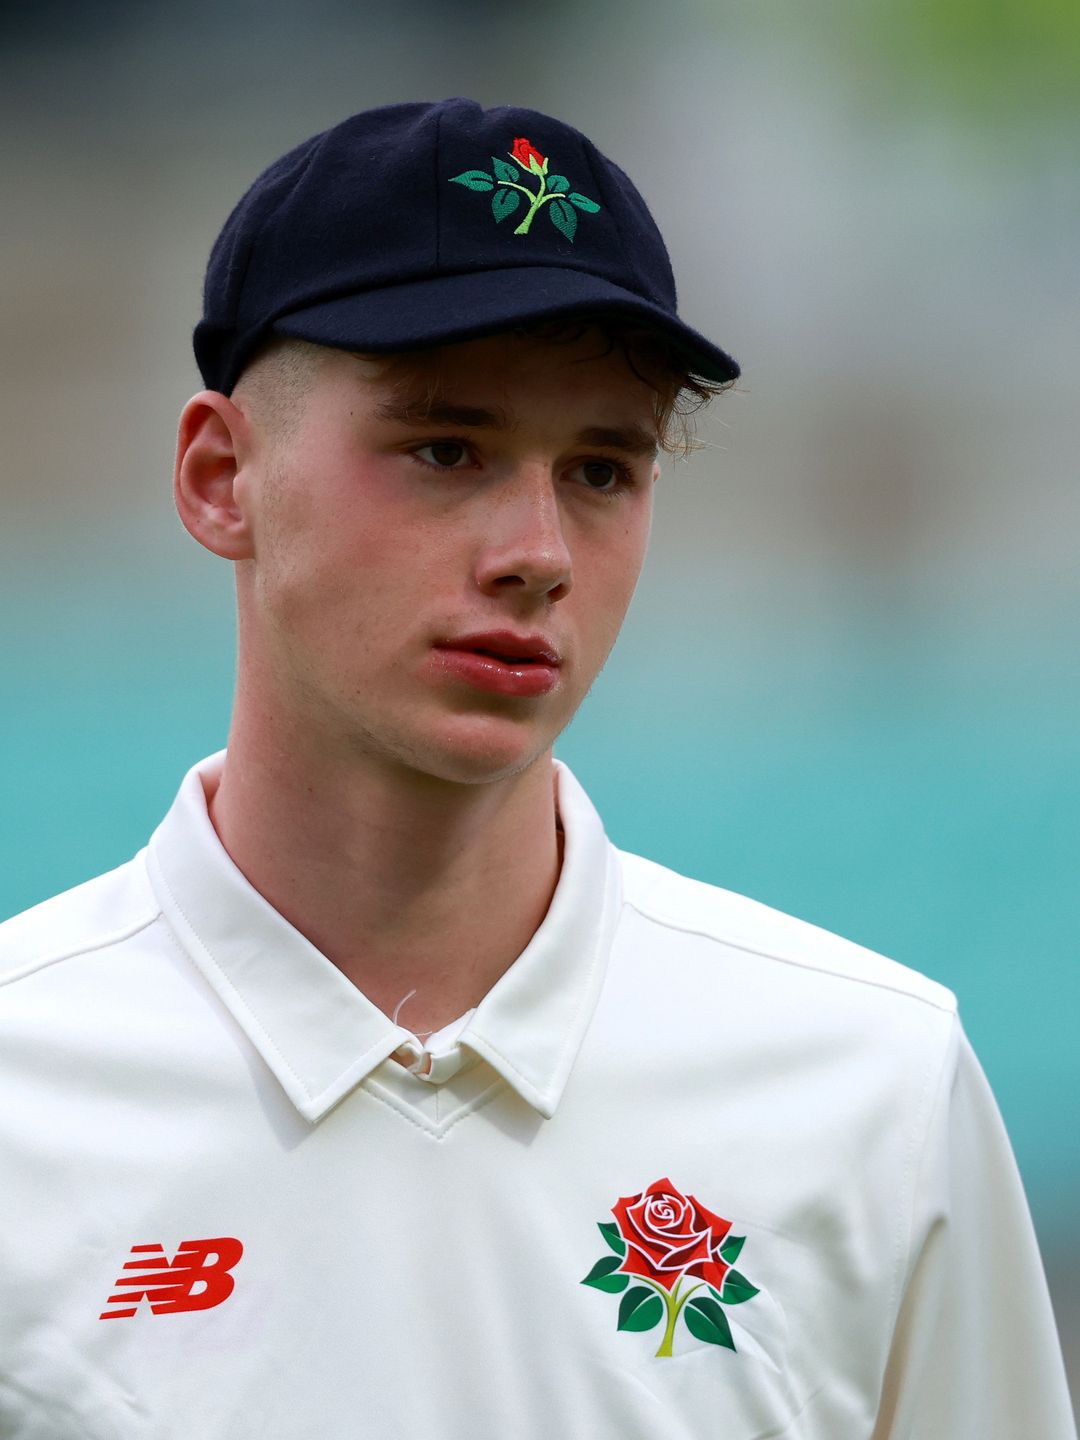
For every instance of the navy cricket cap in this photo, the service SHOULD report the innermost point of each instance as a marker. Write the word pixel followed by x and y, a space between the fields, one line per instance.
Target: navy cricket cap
pixel 423 224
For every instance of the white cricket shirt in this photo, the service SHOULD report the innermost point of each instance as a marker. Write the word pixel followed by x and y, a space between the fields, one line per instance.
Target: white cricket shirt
pixel 691 1168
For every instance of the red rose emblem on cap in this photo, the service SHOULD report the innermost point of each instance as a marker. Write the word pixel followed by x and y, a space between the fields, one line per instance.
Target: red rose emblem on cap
pixel 504 182
pixel 669 1234
pixel 682 1254
pixel 524 151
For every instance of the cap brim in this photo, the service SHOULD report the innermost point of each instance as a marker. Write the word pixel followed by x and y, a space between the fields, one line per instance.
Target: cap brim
pixel 448 308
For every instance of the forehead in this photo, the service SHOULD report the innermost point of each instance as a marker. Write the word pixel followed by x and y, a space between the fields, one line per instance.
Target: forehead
pixel 585 364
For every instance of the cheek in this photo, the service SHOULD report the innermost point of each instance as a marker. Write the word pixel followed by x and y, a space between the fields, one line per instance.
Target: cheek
pixel 606 581
pixel 320 552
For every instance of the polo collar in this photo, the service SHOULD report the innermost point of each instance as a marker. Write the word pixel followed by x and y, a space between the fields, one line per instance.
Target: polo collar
pixel 316 1031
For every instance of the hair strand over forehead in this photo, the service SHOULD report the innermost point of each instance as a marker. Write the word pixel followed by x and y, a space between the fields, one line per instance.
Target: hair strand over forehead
pixel 280 376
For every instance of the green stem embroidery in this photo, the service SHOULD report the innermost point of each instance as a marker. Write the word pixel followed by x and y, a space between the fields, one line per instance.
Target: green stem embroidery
pixel 505 204
pixel 674 1305
pixel 537 200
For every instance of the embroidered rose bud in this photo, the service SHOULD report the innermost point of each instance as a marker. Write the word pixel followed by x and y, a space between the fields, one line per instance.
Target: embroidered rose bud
pixel 553 192
pixel 525 153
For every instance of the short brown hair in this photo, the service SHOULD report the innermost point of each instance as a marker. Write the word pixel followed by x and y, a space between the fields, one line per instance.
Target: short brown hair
pixel 680 392
pixel 279 376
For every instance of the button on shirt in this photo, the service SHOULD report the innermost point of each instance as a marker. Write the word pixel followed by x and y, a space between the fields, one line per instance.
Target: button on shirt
pixel 690 1167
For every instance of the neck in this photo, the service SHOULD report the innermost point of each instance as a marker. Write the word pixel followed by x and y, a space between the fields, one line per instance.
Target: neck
pixel 405 882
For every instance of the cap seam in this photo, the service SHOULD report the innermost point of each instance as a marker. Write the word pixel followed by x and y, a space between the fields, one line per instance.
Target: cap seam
pixel 258 231
pixel 270 211
pixel 603 189
pixel 438 193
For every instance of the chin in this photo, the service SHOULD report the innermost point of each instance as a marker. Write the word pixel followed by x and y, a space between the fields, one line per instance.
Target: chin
pixel 480 752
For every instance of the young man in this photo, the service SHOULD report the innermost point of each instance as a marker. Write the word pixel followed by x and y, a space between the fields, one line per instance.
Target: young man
pixel 380 1094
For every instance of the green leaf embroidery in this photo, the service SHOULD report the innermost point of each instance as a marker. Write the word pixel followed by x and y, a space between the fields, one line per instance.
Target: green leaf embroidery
pixel 474 180
pixel 737 1289
pixel 504 202
pixel 610 1232
pixel 640 1309
pixel 563 217
pixel 602 1276
pixel 729 1251
pixel 510 179
pixel 706 1321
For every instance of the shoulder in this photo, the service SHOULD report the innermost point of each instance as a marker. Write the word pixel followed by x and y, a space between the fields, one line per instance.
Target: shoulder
pixel 92 917
pixel 776 941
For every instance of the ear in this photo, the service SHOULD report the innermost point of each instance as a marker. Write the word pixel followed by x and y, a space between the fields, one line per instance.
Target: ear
pixel 212 446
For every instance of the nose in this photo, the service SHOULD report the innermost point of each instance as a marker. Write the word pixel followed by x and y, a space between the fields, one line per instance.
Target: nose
pixel 524 547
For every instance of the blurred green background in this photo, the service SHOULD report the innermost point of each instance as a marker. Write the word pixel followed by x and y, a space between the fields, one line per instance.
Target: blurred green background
pixel 849 685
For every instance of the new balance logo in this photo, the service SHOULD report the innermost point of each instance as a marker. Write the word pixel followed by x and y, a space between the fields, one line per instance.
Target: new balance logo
pixel 196 1279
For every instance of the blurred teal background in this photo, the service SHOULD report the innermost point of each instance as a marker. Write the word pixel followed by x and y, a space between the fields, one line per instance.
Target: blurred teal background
pixel 849 684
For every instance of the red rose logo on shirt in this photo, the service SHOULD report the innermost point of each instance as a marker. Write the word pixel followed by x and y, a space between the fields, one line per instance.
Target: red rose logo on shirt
pixel 684 1254
pixel 553 192
pixel 668 1234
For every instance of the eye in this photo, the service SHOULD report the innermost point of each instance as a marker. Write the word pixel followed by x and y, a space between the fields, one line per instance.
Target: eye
pixel 604 476
pixel 443 454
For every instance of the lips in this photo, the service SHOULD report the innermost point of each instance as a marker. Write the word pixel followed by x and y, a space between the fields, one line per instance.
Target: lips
pixel 510 648
pixel 500 662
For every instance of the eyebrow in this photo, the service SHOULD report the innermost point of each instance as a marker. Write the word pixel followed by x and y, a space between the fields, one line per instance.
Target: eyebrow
pixel 441 412
pixel 631 439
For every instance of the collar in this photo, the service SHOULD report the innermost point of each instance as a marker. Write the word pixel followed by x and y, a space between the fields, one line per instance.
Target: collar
pixel 315 1030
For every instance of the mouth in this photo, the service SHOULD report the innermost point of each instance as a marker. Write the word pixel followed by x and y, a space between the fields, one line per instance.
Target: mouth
pixel 522 667
pixel 507 648
pixel 506 657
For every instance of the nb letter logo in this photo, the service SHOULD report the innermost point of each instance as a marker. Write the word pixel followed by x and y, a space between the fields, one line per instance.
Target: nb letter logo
pixel 197 1278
